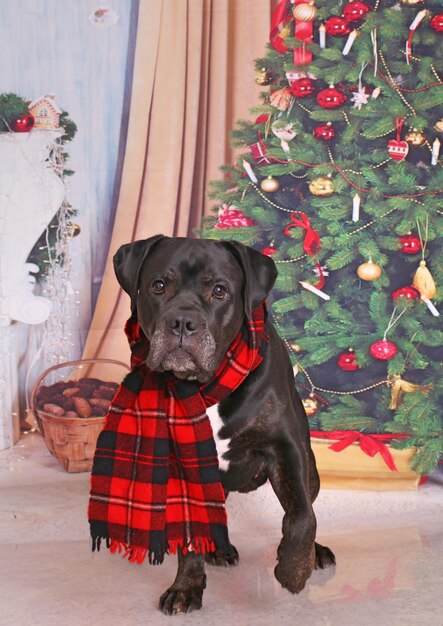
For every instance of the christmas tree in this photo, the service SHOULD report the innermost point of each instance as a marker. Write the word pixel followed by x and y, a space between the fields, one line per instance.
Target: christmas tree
pixel 340 179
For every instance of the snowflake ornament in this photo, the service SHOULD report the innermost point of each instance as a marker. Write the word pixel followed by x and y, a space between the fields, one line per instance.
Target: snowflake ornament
pixel 359 98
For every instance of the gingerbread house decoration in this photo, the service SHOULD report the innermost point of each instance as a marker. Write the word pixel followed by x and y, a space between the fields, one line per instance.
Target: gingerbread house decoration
pixel 46 112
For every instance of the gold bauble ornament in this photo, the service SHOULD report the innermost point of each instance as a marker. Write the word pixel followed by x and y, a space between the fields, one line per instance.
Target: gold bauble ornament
pixel 438 126
pixel 415 138
pixel 411 2
pixel 369 271
pixel 321 186
pixel 311 405
pixel 72 229
pixel 269 184
pixel 305 12
pixel 294 346
pixel 263 77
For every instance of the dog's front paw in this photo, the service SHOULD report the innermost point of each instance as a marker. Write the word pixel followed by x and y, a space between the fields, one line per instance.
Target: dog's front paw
pixel 292 572
pixel 220 559
pixel 181 600
pixel 324 557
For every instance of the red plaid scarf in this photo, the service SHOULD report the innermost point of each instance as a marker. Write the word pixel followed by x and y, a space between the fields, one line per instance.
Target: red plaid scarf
pixel 155 482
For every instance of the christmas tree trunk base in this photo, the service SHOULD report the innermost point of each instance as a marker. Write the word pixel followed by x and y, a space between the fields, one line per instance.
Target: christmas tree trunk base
pixel 351 468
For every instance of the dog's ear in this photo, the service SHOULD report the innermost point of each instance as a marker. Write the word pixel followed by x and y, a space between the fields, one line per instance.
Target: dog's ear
pixel 128 262
pixel 259 274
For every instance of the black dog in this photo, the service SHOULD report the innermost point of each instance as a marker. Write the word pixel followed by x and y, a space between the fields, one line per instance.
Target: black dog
pixel 191 297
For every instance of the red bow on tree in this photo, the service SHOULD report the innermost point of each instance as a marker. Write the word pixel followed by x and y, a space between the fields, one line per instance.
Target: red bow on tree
pixel 311 243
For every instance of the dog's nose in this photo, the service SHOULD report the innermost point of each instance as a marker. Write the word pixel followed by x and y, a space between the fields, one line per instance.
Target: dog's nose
pixel 182 324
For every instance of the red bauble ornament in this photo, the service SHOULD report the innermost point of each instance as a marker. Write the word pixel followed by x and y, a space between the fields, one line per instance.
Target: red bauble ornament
pixel 437 23
pixel 331 98
pixel 302 87
pixel 269 250
pixel 383 350
pixel 325 132
pixel 406 293
pixel 410 244
pixel 23 124
pixel 354 11
pixel 347 362
pixel 337 26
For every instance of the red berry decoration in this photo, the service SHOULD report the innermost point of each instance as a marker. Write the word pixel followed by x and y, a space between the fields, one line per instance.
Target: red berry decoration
pixel 269 250
pixel 383 350
pixel 337 26
pixel 331 98
pixel 325 132
pixel 23 124
pixel 302 87
pixel 355 11
pixel 406 293
pixel 410 244
pixel 437 23
pixel 347 361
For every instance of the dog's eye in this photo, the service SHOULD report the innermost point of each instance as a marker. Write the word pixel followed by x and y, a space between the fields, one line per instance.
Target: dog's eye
pixel 158 286
pixel 219 291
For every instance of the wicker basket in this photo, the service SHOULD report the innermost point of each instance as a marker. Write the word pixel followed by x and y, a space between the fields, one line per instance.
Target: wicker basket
pixel 72 440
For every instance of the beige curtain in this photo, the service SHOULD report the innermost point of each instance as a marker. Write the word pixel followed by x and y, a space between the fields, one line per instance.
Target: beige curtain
pixel 193 78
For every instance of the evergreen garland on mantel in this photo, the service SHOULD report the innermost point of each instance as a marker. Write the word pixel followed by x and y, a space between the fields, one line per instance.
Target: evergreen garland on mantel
pixel 13 106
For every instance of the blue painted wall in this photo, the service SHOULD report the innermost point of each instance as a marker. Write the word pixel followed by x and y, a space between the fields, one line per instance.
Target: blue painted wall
pixel 52 46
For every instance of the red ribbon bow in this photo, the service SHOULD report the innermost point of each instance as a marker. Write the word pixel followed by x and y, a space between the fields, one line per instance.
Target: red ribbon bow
pixel 280 18
pixel 311 243
pixel 369 444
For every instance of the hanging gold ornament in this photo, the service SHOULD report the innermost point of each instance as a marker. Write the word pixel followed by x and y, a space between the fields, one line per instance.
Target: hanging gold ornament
pixel 263 77
pixel 321 186
pixel 72 229
pixel 415 138
pixel 424 282
pixel 438 126
pixel 294 346
pixel 305 12
pixel 269 184
pixel 311 405
pixel 369 271
pixel 411 2
pixel 400 386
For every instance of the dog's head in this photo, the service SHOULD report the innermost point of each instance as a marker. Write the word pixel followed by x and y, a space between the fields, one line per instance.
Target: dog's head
pixel 191 296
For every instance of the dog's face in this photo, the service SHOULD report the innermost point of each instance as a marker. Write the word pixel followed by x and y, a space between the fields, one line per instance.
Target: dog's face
pixel 191 297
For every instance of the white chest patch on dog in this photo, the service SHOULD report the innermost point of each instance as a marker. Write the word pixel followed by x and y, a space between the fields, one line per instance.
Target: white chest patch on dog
pixel 222 445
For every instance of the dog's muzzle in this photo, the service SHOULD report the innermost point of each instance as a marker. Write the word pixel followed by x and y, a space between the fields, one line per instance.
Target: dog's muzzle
pixel 183 344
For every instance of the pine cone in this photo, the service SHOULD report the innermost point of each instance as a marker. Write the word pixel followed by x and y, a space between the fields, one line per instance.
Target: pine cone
pixel 71 391
pixel 82 407
pixel 100 405
pixel 54 409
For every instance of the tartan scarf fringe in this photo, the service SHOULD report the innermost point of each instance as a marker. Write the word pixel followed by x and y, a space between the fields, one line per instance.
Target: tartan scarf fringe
pixel 137 554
